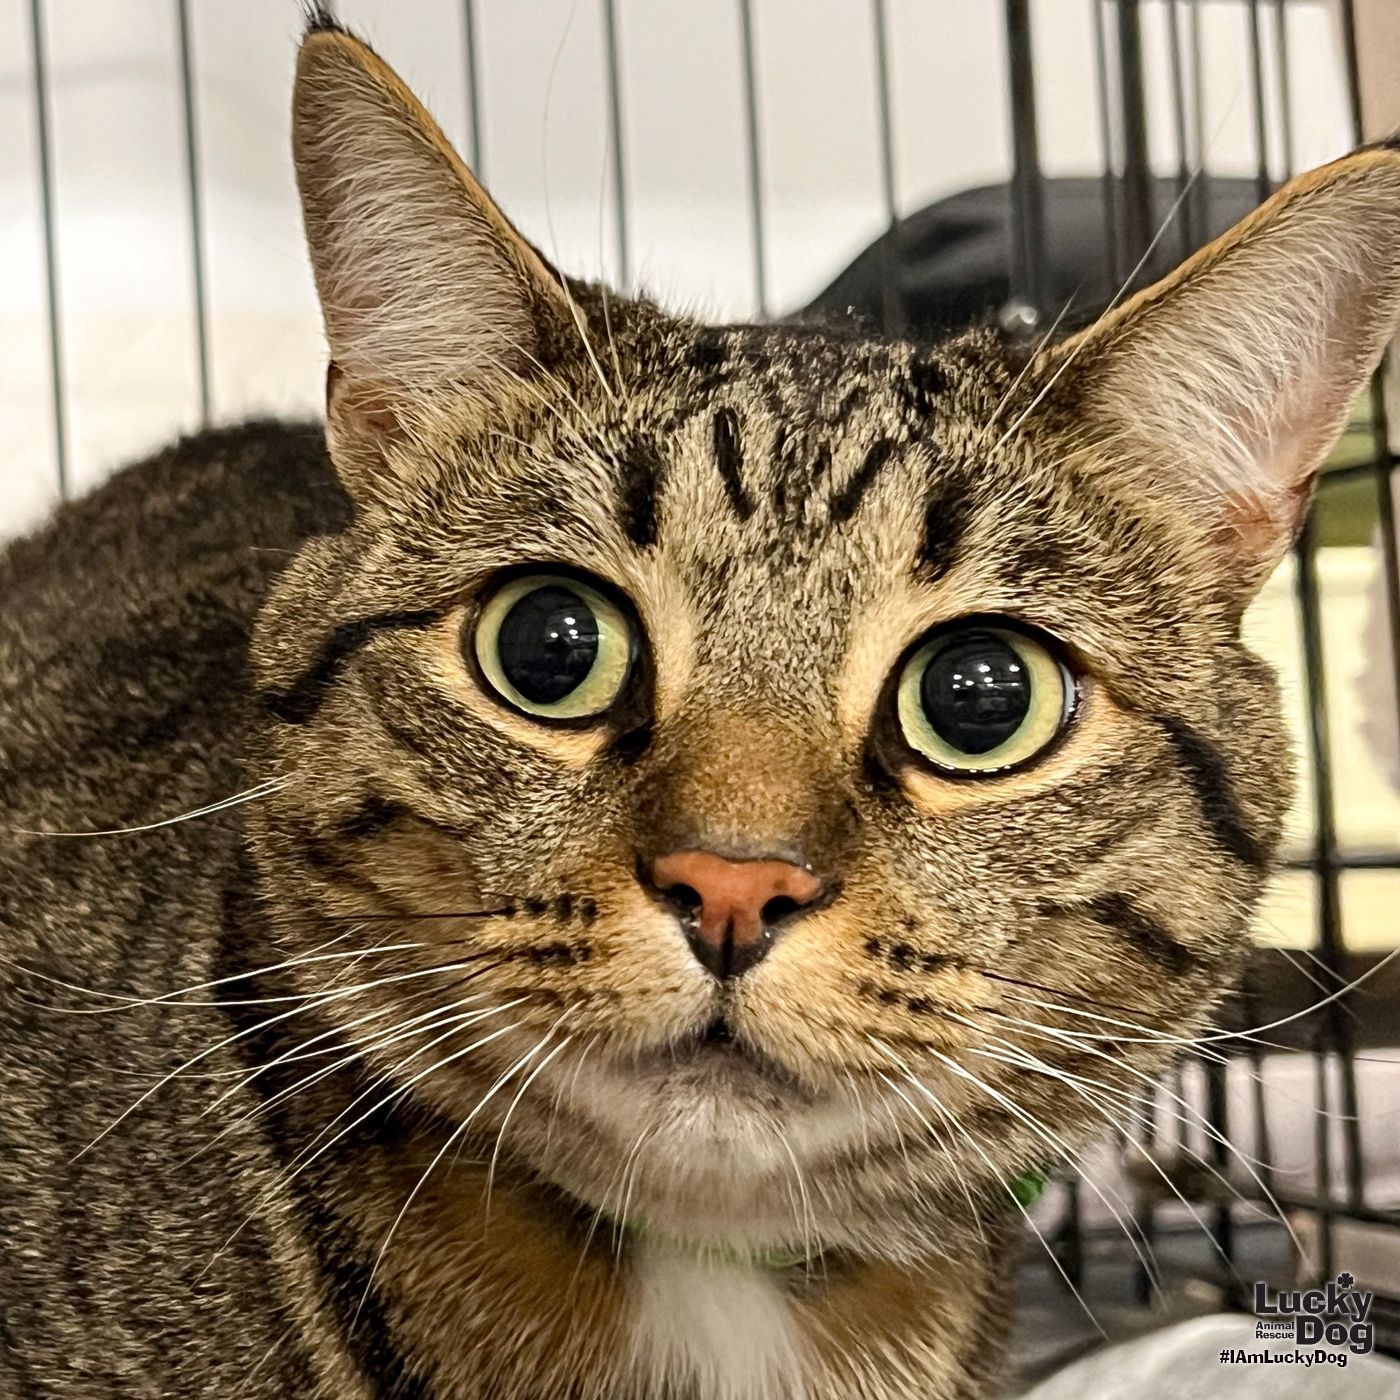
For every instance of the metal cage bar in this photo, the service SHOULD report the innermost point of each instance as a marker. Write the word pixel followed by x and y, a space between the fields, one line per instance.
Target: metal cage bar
pixel 616 143
pixel 190 112
pixel 52 301
pixel 754 150
pixel 471 59
pixel 1027 273
pixel 893 320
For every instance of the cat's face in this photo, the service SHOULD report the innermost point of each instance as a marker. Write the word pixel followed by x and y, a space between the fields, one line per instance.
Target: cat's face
pixel 792 785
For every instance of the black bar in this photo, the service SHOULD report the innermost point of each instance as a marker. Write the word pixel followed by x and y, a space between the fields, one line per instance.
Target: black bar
pixel 619 154
pixel 1027 189
pixel 1362 860
pixel 196 203
pixel 1185 243
pixel 1145 1211
pixel 1322 1153
pixel 1198 207
pixel 1138 221
pixel 473 60
pixel 1264 181
pixel 755 149
pixel 1261 1148
pixel 46 198
pixel 1384 460
pixel 1335 1030
pixel 1353 68
pixel 1109 182
pixel 891 259
pixel 1282 993
pixel 1366 1215
pixel 1285 84
pixel 1386 523
pixel 1222 1226
pixel 1069 1240
pixel 1288 1200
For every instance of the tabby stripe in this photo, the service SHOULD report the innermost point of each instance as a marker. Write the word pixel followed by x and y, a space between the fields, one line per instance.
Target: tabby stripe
pixel 729 457
pixel 927 381
pixel 299 704
pixel 947 515
pixel 374 813
pixel 1205 770
pixel 371 815
pixel 848 499
pixel 641 481
pixel 1149 936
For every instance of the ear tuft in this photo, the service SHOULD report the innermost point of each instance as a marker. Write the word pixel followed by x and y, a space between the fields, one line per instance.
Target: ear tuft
pixel 319 17
pixel 425 287
pixel 1225 385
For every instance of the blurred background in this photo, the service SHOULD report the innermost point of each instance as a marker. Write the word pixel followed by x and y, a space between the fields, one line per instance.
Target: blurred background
pixel 522 87
pixel 747 158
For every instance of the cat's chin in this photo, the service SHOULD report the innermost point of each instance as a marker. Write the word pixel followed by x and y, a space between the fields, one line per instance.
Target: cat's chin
pixel 700 1130
pixel 713 1148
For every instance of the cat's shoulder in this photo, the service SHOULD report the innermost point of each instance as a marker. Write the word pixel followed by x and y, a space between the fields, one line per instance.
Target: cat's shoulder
pixel 124 621
pixel 263 484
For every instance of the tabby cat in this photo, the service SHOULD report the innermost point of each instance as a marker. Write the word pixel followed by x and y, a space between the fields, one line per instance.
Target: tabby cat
pixel 600 872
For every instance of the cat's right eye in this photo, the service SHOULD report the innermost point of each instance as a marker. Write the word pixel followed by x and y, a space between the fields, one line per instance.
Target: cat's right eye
pixel 554 647
pixel 978 699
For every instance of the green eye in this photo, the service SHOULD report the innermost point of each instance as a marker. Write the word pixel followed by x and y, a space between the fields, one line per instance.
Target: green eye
pixel 981 699
pixel 554 647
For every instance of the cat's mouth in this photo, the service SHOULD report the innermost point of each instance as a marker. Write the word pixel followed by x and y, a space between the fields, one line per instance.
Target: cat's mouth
pixel 717 1056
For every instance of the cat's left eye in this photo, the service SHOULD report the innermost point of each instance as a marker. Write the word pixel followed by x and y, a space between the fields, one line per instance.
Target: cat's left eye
pixel 981 698
pixel 554 647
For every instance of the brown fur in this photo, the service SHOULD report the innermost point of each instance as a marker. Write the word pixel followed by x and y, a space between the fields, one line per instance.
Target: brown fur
pixel 338 1192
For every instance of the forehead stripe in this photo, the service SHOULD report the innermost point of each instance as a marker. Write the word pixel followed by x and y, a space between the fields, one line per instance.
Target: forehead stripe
pixel 638 492
pixel 847 501
pixel 947 514
pixel 729 458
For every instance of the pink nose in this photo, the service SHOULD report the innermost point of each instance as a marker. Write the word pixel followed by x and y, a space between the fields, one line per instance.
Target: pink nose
pixel 732 907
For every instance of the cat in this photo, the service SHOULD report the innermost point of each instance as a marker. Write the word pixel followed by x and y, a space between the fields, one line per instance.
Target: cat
pixel 603 871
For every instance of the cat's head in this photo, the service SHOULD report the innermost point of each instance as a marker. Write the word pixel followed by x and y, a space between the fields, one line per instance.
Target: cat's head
pixel 800 781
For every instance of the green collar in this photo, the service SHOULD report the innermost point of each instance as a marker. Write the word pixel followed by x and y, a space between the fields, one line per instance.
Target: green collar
pixel 1028 1188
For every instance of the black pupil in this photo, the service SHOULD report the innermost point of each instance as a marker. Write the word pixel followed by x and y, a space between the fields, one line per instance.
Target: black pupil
pixel 547 644
pixel 976 692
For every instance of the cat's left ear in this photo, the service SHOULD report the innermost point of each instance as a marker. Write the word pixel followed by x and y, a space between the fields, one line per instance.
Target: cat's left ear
pixel 1222 388
pixel 425 288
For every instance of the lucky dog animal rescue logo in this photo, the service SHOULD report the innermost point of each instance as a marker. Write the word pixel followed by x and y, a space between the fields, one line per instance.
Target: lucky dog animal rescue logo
pixel 1336 1314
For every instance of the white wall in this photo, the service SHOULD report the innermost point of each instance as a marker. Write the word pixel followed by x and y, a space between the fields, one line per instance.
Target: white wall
pixel 123 245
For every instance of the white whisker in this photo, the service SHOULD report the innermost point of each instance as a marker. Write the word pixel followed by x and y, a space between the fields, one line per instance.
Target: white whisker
pixel 251 795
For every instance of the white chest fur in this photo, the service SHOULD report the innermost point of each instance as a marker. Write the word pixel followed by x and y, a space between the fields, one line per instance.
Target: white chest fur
pixel 723 1328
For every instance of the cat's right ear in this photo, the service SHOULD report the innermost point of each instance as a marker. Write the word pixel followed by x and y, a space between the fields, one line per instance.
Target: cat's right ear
pixel 1219 391
pixel 425 288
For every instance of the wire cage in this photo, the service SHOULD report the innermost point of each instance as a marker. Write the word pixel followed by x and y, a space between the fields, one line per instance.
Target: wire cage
pixel 1297 1119
pixel 1306 1009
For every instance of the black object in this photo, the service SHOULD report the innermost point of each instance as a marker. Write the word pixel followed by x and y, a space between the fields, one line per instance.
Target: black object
pixel 949 266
